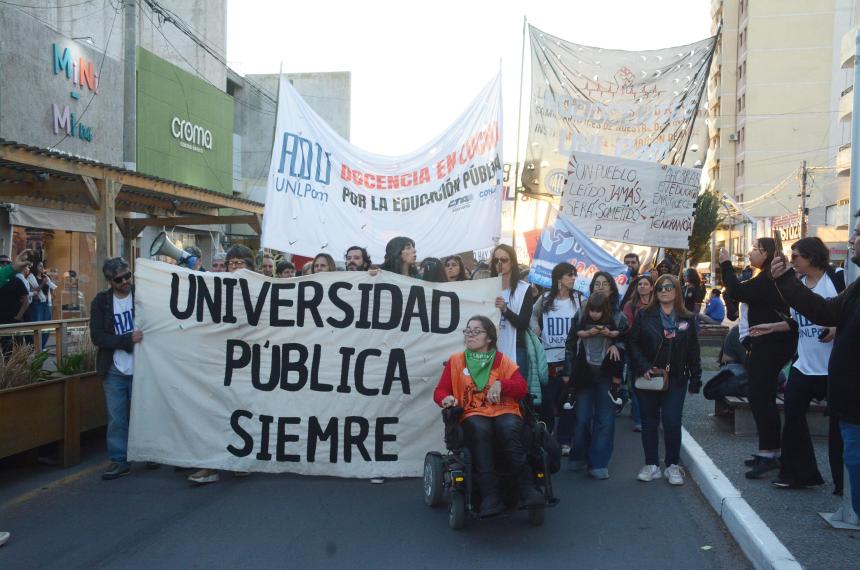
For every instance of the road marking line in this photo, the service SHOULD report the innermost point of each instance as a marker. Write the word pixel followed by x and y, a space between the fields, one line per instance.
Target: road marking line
pixel 42 489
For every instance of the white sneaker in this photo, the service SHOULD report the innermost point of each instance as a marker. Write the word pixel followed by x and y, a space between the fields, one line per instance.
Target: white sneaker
pixel 378 480
pixel 204 476
pixel 4 537
pixel 649 473
pixel 675 475
pixel 565 450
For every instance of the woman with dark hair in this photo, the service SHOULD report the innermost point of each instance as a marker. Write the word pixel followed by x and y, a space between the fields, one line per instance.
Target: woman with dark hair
pixel 603 281
pixel 664 337
pixel 694 292
pixel 551 319
pixel 808 376
pixel 488 386
pixel 323 263
pixel 455 270
pixel 515 304
pixel 594 360
pixel 768 353
pixel 432 270
pixel 400 255
pixel 642 293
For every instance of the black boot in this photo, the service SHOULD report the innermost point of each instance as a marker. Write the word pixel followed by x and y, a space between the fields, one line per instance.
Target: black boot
pixel 491 498
pixel 529 495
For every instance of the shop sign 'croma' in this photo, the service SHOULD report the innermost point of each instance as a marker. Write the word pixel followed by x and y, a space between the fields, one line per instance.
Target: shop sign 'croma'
pixel 81 73
pixel 191 136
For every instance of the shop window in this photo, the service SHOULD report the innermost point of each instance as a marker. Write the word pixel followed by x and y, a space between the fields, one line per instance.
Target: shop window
pixel 837 215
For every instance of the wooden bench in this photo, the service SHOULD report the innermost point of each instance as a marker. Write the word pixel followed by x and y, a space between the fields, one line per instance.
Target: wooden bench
pixel 744 424
pixel 713 335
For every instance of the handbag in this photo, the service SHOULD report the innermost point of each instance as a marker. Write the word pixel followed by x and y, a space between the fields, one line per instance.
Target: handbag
pixel 659 381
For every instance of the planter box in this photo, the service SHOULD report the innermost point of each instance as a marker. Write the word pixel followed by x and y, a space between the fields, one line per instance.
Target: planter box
pixel 54 410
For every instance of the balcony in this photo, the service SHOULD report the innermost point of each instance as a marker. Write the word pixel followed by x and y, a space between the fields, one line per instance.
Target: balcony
pixel 843 160
pixel 849 48
pixel 846 104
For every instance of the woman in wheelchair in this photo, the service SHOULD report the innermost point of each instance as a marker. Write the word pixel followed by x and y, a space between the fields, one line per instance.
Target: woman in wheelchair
pixel 488 386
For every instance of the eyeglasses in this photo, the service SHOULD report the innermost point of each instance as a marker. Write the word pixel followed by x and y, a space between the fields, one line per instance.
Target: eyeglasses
pixel 500 260
pixel 665 288
pixel 120 278
pixel 473 332
pixel 236 263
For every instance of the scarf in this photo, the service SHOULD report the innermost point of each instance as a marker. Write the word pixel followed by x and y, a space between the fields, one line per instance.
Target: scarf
pixel 479 365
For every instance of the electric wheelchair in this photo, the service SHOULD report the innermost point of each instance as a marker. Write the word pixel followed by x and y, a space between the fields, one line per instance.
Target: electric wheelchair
pixel 448 477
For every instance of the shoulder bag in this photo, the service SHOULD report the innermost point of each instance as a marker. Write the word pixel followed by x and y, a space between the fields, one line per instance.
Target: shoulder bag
pixel 659 381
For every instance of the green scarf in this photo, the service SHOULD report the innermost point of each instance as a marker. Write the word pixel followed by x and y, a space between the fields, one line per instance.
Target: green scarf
pixel 479 365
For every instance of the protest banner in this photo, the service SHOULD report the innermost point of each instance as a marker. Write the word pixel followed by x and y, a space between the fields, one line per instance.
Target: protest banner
pixel 632 104
pixel 630 201
pixel 564 242
pixel 325 195
pixel 330 374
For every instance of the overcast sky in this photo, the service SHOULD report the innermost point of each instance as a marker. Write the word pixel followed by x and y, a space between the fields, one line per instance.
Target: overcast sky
pixel 416 66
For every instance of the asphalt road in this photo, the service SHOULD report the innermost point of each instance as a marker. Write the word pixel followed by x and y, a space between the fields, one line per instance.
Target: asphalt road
pixel 153 519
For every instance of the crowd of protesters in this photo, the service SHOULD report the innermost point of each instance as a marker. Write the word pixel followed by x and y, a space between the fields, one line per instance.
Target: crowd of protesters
pixel 601 349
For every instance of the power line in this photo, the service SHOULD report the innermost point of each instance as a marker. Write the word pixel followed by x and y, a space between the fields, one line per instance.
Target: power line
pixel 31 7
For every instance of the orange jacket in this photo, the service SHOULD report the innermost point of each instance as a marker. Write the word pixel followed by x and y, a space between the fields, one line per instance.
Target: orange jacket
pixel 456 382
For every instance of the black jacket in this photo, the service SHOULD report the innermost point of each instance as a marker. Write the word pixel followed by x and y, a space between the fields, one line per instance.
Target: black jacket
pixel 102 331
pixel 575 365
pixel 644 343
pixel 843 312
pixel 763 300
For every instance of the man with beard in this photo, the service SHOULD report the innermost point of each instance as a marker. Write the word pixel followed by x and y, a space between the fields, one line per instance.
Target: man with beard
pixel 843 386
pixel 357 259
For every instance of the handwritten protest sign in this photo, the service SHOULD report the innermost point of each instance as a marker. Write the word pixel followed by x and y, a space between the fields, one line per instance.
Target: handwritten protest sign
pixel 630 201
pixel 325 195
pixel 641 105
pixel 330 374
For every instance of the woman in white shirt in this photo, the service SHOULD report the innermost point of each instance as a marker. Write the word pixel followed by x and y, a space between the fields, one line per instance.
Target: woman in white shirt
pixel 515 304
pixel 808 377
pixel 551 318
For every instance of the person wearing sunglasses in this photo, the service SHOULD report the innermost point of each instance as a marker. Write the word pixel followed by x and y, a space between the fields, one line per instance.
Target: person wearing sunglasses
pixel 768 354
pixel 488 386
pixel 112 331
pixel 515 304
pixel 664 338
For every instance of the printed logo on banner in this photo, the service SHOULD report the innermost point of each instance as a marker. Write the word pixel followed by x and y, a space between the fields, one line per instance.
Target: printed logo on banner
pixel 324 194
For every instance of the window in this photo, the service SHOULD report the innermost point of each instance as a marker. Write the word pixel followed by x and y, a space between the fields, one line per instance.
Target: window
pixel 837 215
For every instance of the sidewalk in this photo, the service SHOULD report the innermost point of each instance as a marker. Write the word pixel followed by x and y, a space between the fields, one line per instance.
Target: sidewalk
pixel 792 515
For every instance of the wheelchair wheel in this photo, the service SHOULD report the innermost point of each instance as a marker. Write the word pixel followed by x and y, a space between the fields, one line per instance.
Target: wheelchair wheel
pixel 433 487
pixel 536 516
pixel 457 511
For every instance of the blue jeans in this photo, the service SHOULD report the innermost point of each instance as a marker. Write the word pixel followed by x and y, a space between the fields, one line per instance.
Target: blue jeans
pixel 117 389
pixel 670 406
pixel 594 435
pixel 851 437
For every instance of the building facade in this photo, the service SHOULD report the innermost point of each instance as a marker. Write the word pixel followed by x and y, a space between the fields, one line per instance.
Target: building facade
pixel 775 94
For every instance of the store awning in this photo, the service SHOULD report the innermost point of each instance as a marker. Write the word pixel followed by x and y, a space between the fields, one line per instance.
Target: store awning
pixel 49 219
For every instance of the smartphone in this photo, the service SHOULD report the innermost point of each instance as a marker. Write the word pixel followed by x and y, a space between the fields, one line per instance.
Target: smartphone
pixel 777 237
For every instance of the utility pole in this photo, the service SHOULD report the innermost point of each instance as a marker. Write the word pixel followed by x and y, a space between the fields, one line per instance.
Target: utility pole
pixel 129 91
pixel 803 226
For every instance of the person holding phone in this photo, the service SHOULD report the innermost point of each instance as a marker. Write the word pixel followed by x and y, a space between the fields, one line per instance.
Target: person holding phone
pixel 768 353
pixel 808 377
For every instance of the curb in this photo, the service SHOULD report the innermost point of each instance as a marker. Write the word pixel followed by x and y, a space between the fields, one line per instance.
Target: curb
pixel 760 545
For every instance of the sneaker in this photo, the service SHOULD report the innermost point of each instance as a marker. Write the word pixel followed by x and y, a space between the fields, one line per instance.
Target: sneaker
pixel 204 476
pixel 4 537
pixel 674 475
pixel 753 461
pixel 152 465
pixel 378 480
pixel 599 473
pixel 575 465
pixel 649 473
pixel 115 471
pixel 763 466
pixel 565 450
pixel 637 427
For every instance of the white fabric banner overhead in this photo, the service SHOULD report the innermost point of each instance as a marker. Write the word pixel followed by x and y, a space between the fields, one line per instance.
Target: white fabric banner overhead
pixel 631 104
pixel 630 201
pixel 330 374
pixel 325 195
